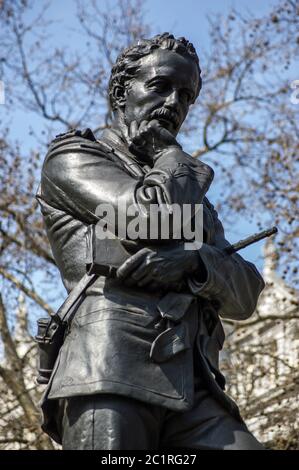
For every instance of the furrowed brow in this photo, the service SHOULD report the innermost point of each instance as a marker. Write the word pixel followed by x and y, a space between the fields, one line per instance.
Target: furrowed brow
pixel 156 77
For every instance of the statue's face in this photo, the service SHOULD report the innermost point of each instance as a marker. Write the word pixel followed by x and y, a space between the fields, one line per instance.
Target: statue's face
pixel 162 89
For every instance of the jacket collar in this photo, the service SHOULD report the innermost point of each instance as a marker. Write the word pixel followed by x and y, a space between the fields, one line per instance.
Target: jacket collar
pixel 114 138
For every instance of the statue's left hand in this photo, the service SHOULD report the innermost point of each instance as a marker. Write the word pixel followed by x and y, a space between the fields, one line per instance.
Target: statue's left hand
pixel 161 267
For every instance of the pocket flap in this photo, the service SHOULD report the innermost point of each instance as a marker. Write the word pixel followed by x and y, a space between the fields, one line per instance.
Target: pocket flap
pixel 174 306
pixel 170 342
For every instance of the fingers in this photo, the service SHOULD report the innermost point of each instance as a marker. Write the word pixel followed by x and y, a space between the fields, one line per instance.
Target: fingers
pixel 137 270
pixel 143 277
pixel 155 124
pixel 143 126
pixel 139 134
pixel 141 271
pixel 131 263
pixel 143 134
pixel 133 129
pixel 150 137
pixel 148 278
pixel 149 131
pixel 151 286
pixel 146 273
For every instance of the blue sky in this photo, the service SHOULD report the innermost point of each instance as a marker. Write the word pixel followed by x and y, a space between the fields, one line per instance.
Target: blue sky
pixel 181 17
pixel 188 17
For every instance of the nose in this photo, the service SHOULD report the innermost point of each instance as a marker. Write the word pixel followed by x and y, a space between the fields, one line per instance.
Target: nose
pixel 172 100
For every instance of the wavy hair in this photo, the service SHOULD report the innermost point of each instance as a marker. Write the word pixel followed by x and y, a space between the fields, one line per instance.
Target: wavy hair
pixel 127 63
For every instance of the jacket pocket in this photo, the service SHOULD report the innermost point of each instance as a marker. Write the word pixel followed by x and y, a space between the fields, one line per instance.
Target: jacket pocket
pixel 113 314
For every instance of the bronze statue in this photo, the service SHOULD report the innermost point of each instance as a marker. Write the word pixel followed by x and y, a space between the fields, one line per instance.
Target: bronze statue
pixel 138 368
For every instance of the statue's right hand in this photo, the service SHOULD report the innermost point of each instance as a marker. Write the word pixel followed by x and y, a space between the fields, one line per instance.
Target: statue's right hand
pixel 151 138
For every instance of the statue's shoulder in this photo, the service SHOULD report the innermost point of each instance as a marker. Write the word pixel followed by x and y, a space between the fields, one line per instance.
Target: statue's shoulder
pixel 75 140
pixel 77 134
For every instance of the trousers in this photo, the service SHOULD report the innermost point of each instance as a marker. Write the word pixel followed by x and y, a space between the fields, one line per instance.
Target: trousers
pixel 114 422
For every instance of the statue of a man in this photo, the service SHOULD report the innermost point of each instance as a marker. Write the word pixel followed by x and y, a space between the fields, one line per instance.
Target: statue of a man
pixel 138 368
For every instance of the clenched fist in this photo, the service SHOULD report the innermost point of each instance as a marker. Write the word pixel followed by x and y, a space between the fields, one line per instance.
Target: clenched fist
pixel 150 138
pixel 161 268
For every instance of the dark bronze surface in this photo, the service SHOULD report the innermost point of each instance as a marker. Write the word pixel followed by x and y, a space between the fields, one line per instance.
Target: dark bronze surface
pixel 137 335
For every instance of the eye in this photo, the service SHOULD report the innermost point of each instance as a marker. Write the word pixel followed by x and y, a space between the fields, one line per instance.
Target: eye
pixel 159 85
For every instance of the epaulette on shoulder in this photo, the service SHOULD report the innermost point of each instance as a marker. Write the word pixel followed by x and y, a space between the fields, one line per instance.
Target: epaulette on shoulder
pixel 84 134
pixel 75 140
pixel 71 138
pixel 85 142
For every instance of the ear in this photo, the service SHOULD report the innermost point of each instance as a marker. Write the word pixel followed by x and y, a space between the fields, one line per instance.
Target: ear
pixel 119 96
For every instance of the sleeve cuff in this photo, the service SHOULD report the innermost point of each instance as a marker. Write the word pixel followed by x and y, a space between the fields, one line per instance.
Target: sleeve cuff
pixel 212 286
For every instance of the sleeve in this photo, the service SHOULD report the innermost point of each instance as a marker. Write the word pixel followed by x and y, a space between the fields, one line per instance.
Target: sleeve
pixel 78 176
pixel 230 281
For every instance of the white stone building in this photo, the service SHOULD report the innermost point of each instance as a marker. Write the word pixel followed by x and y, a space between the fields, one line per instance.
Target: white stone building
pixel 262 362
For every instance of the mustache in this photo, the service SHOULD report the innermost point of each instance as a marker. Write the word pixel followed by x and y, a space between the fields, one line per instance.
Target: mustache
pixel 168 114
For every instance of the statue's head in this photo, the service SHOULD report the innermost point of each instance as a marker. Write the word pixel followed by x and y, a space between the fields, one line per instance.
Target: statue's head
pixel 158 78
